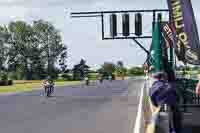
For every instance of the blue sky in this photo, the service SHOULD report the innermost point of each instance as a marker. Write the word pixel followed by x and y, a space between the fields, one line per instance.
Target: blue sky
pixel 83 36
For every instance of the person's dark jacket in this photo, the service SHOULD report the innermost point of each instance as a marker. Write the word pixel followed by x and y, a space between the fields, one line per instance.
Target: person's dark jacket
pixel 163 92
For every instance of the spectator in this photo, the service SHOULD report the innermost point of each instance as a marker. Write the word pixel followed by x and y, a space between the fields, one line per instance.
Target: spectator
pixel 198 86
pixel 163 92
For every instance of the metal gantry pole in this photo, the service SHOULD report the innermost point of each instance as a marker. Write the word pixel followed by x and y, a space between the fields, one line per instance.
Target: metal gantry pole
pixel 102 25
pixel 154 19
pixel 119 11
pixel 142 47
pixel 134 38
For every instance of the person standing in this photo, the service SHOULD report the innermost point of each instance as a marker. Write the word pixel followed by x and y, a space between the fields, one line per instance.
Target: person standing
pixel 198 86
pixel 163 93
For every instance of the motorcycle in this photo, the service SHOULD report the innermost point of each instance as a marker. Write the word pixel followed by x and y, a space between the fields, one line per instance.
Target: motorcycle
pixel 48 89
pixel 87 82
pixel 110 78
pixel 101 80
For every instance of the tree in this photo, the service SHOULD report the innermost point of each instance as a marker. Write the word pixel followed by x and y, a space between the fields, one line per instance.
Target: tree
pixel 33 49
pixel 120 69
pixel 107 68
pixel 20 43
pixel 80 70
pixel 50 42
pixel 136 71
pixel 63 60
pixel 3 48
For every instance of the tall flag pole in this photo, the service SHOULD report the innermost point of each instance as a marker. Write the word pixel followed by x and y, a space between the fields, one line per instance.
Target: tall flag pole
pixel 182 20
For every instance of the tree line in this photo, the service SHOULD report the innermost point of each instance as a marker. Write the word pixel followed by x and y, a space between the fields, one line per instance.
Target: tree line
pixel 108 68
pixel 31 51
pixel 120 70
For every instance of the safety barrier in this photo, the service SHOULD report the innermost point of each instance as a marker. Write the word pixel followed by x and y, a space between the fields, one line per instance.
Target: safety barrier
pixel 186 89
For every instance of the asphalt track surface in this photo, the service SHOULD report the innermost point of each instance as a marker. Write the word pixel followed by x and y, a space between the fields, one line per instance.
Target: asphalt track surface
pixel 98 108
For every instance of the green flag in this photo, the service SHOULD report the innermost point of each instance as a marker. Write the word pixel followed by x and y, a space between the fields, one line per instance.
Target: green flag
pixel 155 59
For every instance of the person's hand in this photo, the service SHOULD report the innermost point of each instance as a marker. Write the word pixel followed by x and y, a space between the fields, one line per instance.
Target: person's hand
pixel 43 83
pixel 156 110
pixel 198 89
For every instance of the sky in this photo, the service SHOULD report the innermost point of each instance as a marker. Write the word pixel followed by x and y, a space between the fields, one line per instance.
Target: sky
pixel 83 36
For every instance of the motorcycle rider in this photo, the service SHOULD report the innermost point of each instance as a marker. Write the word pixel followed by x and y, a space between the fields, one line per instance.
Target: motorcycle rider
pixel 101 78
pixel 110 78
pixel 86 80
pixel 48 83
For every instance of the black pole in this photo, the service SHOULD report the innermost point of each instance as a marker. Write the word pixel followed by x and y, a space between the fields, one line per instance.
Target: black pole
pixel 102 25
pixel 85 16
pixel 141 46
pixel 120 11
pixel 154 19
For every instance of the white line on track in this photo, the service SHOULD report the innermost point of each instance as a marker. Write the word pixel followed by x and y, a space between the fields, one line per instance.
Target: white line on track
pixel 139 113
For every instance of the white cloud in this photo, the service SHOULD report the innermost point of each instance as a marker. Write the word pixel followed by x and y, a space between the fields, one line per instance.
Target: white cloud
pixel 16 13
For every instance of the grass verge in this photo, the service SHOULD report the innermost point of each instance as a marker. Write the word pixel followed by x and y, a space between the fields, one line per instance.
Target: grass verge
pixel 26 87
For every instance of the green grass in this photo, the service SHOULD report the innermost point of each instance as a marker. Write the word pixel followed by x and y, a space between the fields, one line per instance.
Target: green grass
pixel 26 87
